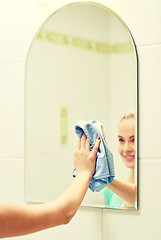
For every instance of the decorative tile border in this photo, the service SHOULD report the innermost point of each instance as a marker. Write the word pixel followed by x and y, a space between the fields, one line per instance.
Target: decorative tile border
pixel 86 44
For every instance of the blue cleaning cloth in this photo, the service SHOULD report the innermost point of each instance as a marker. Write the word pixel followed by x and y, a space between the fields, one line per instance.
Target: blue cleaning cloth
pixel 104 171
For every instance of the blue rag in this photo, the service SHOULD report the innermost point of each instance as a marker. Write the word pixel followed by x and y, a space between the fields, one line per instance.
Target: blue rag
pixel 104 171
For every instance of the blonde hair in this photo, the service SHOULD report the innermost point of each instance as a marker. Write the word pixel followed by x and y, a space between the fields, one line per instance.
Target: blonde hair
pixel 128 115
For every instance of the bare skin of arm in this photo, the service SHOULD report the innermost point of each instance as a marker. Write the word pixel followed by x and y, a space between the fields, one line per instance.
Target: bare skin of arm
pixel 126 191
pixel 17 219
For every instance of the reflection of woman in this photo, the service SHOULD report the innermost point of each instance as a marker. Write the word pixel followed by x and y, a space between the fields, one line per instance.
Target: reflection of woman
pixel 122 192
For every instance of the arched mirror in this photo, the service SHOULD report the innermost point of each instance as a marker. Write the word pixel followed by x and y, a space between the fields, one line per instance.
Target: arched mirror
pixel 82 64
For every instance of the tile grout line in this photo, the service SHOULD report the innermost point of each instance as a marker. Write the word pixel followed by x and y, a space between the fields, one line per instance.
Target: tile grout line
pixel 102 225
pixel 157 159
pixel 148 45
pixel 11 158
pixel 10 63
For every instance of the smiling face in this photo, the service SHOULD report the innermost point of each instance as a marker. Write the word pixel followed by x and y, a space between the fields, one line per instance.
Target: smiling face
pixel 126 136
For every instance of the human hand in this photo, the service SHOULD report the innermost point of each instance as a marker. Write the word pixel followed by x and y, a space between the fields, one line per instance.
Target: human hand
pixel 84 159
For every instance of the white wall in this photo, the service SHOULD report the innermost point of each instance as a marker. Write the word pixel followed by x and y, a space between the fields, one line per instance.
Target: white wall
pixel 19 20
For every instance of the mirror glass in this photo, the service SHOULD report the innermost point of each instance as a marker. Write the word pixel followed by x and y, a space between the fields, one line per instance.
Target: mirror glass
pixel 82 64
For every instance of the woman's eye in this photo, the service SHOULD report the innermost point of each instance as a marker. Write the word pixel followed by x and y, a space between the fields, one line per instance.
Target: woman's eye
pixel 133 140
pixel 121 140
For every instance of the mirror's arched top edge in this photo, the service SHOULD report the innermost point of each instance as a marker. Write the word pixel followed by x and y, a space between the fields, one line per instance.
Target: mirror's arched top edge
pixel 97 4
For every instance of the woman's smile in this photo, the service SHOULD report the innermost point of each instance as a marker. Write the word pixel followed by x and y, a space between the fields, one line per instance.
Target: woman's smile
pixel 129 158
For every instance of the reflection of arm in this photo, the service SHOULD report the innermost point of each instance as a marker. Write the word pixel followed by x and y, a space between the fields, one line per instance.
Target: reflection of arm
pixel 126 191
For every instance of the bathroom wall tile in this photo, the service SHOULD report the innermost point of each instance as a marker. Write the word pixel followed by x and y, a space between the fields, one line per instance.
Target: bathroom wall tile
pixel 12 180
pixel 149 101
pixel 12 110
pixel 145 223
pixel 34 236
pixel 86 224
pixel 143 18
pixel 17 25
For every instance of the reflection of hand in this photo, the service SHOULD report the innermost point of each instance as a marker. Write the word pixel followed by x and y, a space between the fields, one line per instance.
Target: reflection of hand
pixel 84 159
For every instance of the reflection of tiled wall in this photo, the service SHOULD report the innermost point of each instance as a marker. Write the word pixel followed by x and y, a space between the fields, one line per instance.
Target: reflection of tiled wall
pixel 19 21
pixel 85 44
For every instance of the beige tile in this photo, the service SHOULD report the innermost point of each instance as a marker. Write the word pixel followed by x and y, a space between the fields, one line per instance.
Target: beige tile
pixel 143 19
pixel 149 101
pixel 34 236
pixel 87 224
pixel 12 110
pixel 18 26
pixel 12 180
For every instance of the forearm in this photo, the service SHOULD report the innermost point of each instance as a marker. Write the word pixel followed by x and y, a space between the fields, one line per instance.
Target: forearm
pixel 74 195
pixel 126 191
pixel 16 219
pixel 68 202
pixel 62 210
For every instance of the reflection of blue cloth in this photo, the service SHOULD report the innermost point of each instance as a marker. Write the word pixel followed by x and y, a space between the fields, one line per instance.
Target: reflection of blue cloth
pixel 104 172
